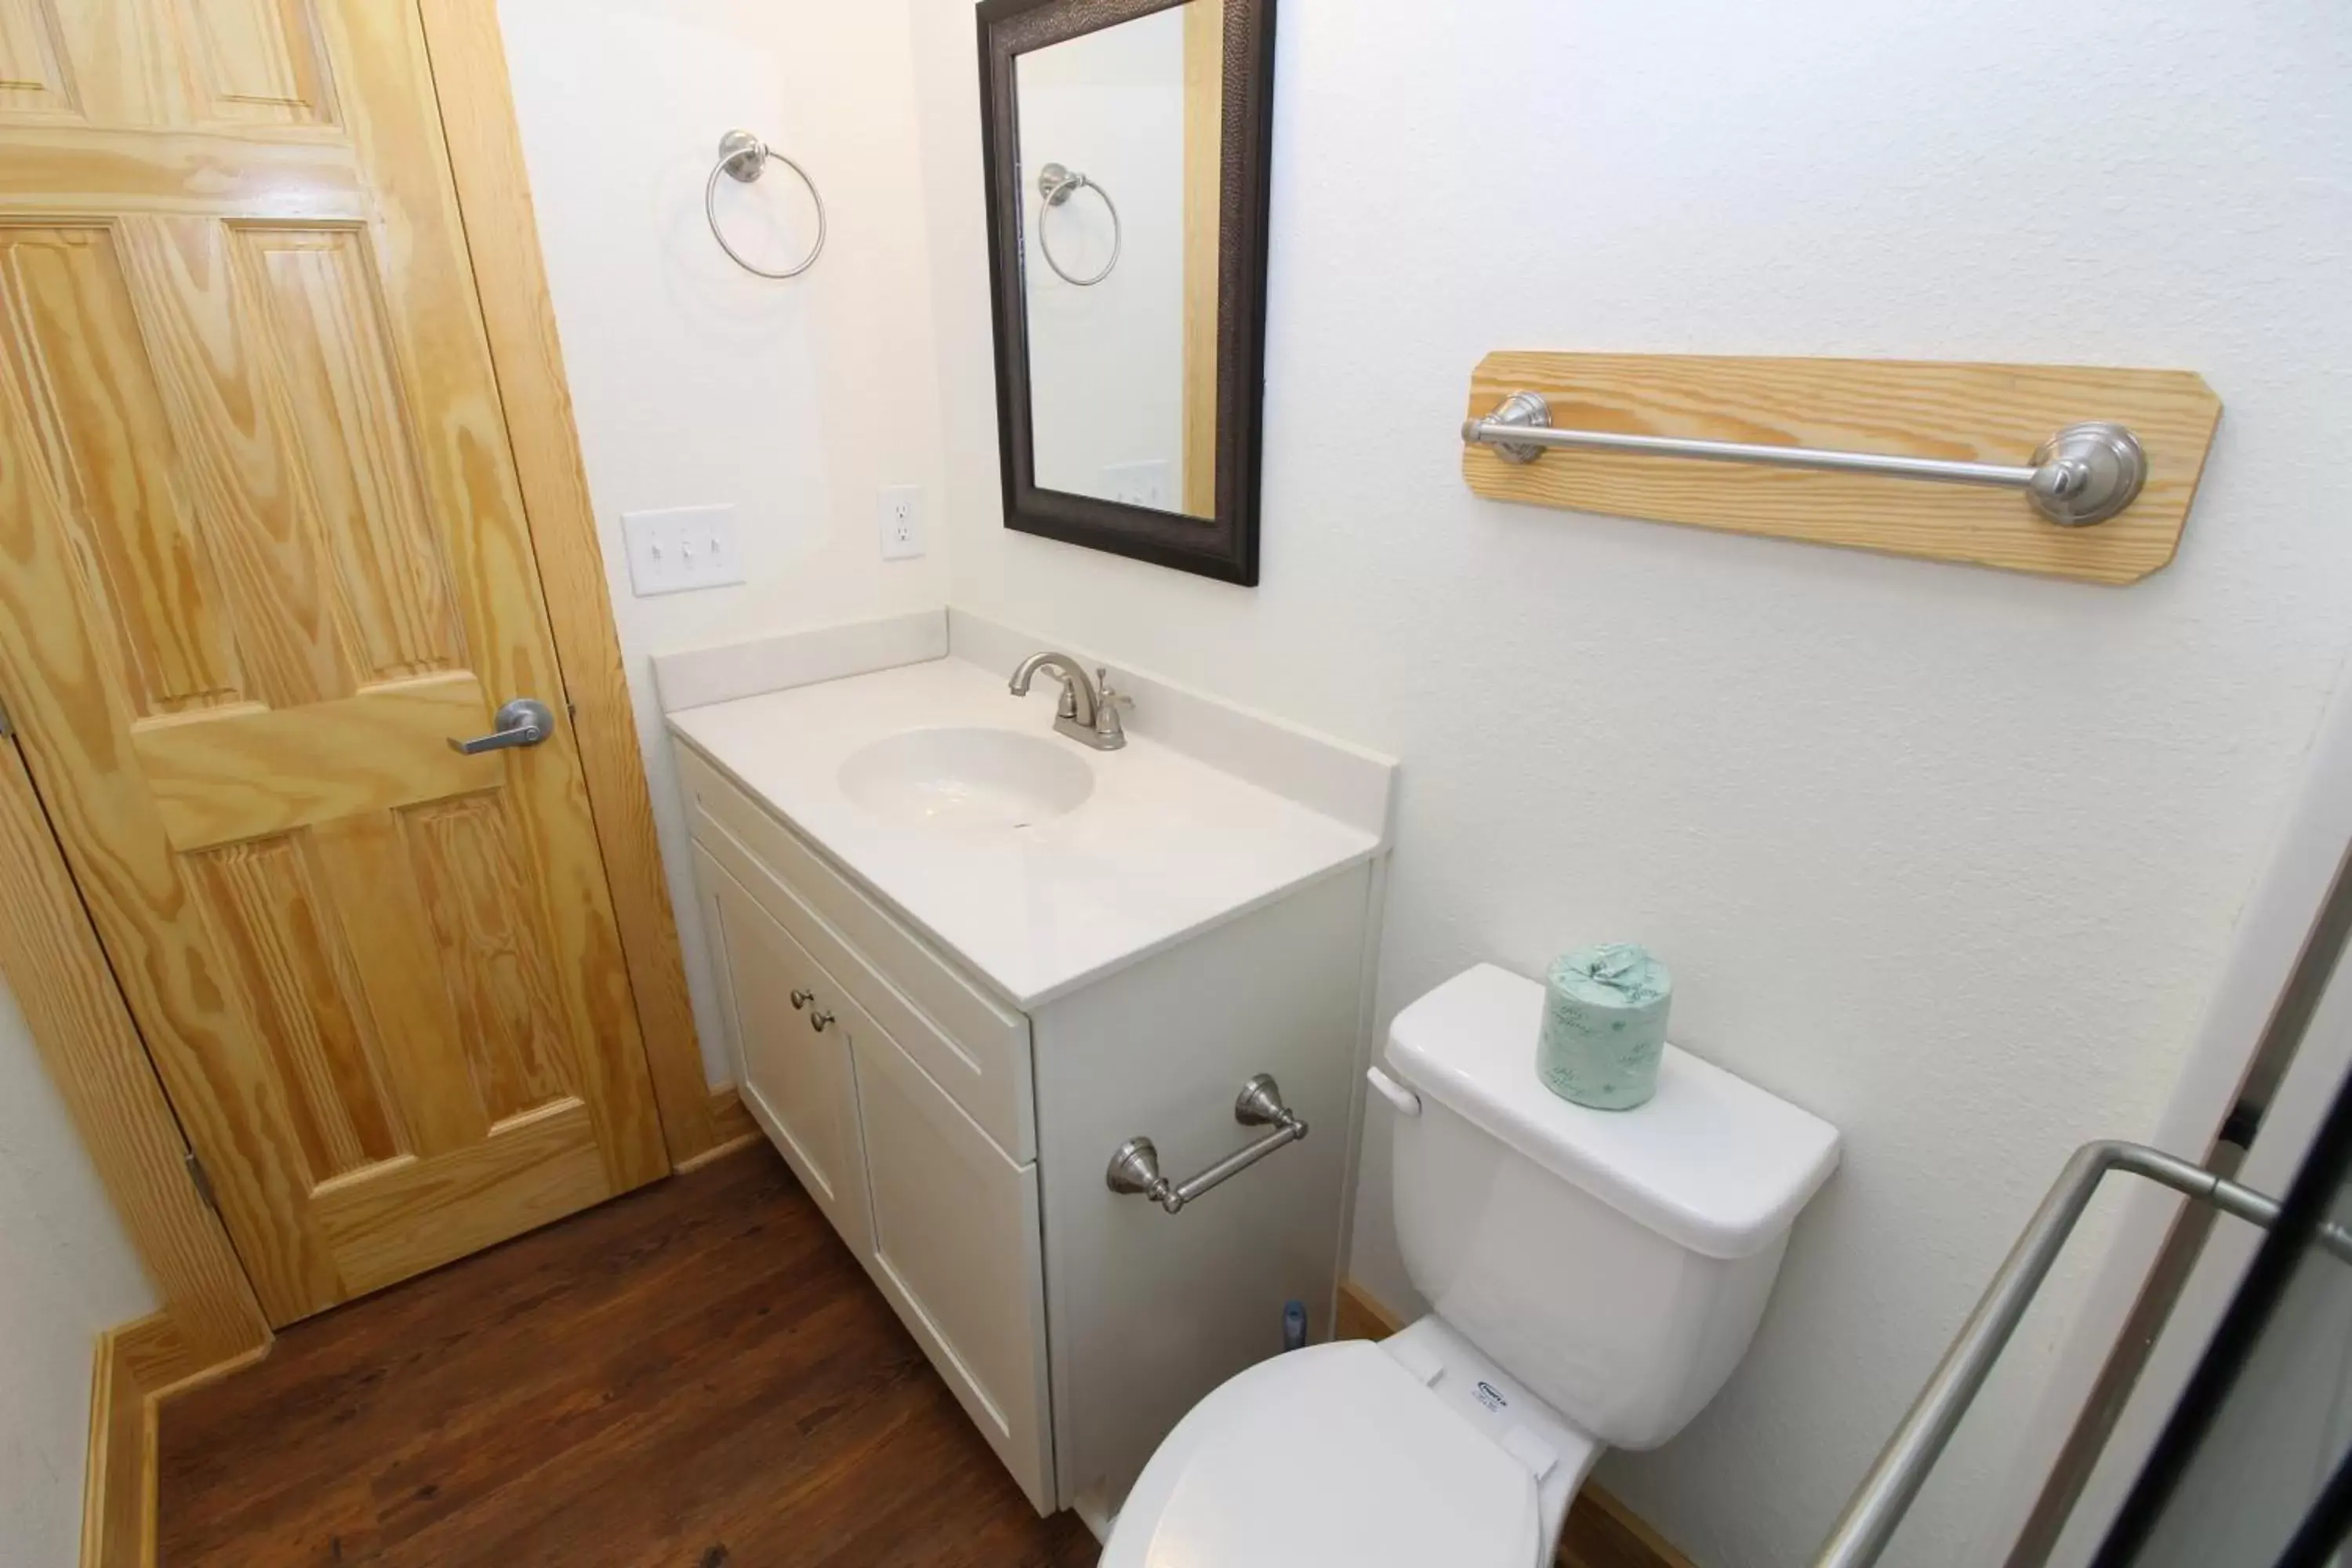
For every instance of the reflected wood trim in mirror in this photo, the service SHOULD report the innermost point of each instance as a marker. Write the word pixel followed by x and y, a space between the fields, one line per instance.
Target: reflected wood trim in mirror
pixel 1205 124
pixel 1208 519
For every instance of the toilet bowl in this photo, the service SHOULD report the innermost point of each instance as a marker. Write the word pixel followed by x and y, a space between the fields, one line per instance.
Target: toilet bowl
pixel 1594 1276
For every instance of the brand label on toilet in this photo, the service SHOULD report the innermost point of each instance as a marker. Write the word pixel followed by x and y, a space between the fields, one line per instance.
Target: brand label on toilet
pixel 1491 1397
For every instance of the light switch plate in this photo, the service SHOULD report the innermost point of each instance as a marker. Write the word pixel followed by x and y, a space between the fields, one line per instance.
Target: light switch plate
pixel 681 548
pixel 900 511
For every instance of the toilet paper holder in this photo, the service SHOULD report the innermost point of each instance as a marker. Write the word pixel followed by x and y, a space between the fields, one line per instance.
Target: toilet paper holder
pixel 1135 1168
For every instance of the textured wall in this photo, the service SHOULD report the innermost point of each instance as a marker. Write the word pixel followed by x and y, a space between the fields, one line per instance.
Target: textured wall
pixel 695 383
pixel 67 1271
pixel 1949 857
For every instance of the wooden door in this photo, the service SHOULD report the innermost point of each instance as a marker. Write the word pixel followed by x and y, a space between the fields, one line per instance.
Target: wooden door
pixel 262 555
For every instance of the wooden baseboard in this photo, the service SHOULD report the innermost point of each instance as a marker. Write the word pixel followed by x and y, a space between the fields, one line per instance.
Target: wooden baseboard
pixel 731 1127
pixel 138 1365
pixel 1361 1317
pixel 1608 1533
pixel 1601 1531
pixel 117 1501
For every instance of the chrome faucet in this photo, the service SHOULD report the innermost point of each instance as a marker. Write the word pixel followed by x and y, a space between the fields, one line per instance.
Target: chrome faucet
pixel 1088 711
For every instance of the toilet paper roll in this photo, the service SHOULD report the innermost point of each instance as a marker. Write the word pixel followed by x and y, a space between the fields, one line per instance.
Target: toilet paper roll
pixel 1604 1025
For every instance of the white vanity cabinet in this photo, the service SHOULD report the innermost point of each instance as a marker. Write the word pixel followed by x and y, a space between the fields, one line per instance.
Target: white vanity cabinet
pixel 959 1143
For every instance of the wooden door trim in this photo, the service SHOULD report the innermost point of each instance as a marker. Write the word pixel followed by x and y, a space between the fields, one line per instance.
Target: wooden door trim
pixel 478 119
pixel 82 1031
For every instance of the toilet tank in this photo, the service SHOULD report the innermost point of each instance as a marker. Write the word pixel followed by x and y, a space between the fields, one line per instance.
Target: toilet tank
pixel 1614 1261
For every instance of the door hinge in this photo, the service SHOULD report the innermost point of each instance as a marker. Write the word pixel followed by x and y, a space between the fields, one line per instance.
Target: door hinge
pixel 204 1181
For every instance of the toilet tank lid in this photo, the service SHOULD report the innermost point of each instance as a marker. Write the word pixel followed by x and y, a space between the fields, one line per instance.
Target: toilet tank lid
pixel 1713 1162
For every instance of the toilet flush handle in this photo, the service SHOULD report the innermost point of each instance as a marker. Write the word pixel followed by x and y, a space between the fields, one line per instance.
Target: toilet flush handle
pixel 1407 1102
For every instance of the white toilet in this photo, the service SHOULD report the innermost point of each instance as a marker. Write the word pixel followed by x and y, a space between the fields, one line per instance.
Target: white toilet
pixel 1596 1275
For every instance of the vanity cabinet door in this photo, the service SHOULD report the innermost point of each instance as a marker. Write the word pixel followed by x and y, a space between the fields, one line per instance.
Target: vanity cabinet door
pixel 792 1050
pixel 973 1046
pixel 957 1249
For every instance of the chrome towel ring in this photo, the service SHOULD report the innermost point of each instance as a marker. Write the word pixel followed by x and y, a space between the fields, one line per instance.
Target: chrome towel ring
pixel 743 156
pixel 1057 184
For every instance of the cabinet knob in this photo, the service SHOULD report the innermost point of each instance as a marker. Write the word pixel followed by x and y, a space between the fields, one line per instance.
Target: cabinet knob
pixel 801 999
pixel 818 1021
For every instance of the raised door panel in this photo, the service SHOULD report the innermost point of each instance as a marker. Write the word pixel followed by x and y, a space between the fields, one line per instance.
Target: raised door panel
pixel 151 64
pixel 262 557
pixel 795 1078
pixel 256 62
pixel 33 79
pixel 121 61
pixel 957 1249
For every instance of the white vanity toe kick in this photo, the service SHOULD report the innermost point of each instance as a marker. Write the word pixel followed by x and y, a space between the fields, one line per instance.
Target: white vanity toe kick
pixel 1161 847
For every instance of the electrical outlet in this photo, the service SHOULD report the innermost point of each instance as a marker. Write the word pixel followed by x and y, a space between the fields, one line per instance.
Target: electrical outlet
pixel 681 548
pixel 899 510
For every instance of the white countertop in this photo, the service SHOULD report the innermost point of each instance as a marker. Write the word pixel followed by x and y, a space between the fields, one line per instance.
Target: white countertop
pixel 1164 847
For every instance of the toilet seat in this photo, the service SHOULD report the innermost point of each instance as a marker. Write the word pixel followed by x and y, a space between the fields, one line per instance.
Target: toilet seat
pixel 1334 1454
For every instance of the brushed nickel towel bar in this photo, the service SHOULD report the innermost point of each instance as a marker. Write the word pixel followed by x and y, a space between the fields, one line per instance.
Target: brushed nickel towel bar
pixel 743 156
pixel 2084 474
pixel 1135 1168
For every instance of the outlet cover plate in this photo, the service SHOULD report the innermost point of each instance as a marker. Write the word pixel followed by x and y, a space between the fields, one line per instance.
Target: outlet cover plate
pixel 898 510
pixel 1142 484
pixel 681 548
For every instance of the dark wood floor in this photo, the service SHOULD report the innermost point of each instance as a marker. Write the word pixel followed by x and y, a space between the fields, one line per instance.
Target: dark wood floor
pixel 695 1376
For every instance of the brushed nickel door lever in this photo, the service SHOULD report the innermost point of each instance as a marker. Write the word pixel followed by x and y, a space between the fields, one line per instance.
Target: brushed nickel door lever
pixel 525 722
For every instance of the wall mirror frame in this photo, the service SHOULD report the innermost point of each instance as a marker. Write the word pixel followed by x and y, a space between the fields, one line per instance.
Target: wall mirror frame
pixel 1069 350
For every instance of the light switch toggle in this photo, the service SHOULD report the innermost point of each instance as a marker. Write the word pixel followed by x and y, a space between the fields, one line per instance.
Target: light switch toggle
pixel 680 549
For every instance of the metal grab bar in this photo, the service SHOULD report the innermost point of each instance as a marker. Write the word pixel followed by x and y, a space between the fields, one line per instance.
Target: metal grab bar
pixel 1886 1493
pixel 2084 474
pixel 1135 1168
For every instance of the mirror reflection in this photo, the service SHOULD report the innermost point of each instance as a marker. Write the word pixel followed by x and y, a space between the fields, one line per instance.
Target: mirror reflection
pixel 1119 170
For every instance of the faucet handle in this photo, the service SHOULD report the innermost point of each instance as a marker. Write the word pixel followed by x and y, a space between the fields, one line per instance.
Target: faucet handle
pixel 1107 702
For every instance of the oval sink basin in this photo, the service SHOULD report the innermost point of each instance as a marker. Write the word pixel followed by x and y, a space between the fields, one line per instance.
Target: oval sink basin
pixel 967 778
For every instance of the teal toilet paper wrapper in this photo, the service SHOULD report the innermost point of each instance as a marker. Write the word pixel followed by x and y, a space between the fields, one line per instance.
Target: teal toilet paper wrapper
pixel 1604 1025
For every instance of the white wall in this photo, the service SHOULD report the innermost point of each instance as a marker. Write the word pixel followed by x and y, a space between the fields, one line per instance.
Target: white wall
pixel 67 1271
pixel 1110 105
pixel 694 382
pixel 1947 855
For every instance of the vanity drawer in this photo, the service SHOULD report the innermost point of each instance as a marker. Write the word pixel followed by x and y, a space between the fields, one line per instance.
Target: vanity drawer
pixel 972 1044
pixel 959 1251
pixel 795 1078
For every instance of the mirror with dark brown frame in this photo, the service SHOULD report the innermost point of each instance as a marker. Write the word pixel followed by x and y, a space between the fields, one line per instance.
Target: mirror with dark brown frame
pixel 1126 150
